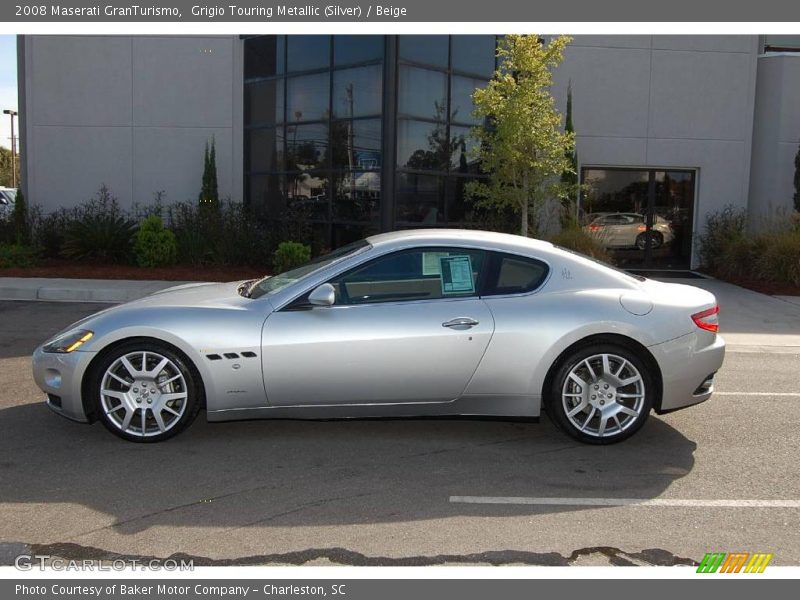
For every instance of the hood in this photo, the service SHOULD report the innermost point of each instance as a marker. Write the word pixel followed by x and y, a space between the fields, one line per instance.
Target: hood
pixel 220 295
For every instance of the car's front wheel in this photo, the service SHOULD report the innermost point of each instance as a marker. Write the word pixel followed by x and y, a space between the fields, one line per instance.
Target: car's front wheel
pixel 601 394
pixel 145 392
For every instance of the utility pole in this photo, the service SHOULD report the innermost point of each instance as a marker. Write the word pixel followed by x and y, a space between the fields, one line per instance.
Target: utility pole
pixel 12 114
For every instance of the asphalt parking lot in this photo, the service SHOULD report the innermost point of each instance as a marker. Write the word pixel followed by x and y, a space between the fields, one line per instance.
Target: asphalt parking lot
pixel 380 492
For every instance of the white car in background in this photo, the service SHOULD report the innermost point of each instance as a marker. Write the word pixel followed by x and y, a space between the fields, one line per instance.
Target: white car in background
pixel 7 197
pixel 628 230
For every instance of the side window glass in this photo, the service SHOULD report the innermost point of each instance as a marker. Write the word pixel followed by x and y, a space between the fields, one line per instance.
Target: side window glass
pixel 517 275
pixel 420 274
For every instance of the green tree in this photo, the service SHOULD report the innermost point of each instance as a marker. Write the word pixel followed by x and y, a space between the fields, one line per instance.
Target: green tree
pixel 521 144
pixel 570 176
pixel 797 180
pixel 209 194
pixel 6 177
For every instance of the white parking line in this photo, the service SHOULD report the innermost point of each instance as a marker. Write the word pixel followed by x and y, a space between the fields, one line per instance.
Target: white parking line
pixel 702 503
pixel 794 394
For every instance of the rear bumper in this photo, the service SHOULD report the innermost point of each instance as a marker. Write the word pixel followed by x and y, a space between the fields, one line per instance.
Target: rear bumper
pixel 688 364
pixel 60 376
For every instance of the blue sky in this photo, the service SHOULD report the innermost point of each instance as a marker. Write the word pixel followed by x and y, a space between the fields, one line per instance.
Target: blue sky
pixel 8 84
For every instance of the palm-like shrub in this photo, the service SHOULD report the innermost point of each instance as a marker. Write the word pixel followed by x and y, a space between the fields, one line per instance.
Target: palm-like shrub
pixel 100 230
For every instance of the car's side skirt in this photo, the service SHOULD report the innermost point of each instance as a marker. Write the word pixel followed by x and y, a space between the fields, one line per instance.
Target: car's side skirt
pixel 472 405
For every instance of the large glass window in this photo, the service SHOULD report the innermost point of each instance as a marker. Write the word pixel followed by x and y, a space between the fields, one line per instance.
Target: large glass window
pixel 264 56
pixel 422 93
pixel 353 49
pixel 461 105
pixel 643 217
pixel 357 92
pixel 474 54
pixel 308 52
pixel 420 199
pixel 306 147
pixel 265 149
pixel 422 145
pixel 424 49
pixel 308 97
pixel 263 102
pixel 356 144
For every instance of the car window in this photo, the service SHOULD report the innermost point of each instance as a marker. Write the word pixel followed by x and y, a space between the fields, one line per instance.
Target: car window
pixel 515 275
pixel 419 274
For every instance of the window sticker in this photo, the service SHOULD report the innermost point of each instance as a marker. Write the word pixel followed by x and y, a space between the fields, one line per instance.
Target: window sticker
pixel 430 263
pixel 456 274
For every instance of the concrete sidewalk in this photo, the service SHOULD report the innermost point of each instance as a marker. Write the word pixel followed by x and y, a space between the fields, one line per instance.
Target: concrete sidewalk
pixel 79 290
pixel 749 321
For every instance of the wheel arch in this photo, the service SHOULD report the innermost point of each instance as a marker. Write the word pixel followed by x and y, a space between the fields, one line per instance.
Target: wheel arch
pixel 607 338
pixel 86 397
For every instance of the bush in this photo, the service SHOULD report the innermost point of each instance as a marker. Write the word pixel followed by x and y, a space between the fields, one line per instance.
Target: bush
pixel 723 229
pixel 290 255
pixel 99 230
pixel 20 220
pixel 17 255
pixel 576 239
pixel 778 257
pixel 154 245
pixel 47 231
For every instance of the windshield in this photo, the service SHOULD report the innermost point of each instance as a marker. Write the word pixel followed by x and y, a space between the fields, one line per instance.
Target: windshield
pixel 270 285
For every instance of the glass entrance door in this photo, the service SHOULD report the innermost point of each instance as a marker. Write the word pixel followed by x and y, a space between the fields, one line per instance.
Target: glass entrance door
pixel 643 217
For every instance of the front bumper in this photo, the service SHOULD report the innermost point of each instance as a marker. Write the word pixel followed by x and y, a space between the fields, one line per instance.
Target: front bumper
pixel 60 376
pixel 688 364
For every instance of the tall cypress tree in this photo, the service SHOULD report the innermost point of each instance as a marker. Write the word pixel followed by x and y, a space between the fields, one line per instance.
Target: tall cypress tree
pixel 797 180
pixel 204 187
pixel 570 177
pixel 213 191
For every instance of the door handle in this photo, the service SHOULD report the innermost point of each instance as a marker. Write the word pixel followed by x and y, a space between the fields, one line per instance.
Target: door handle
pixel 460 323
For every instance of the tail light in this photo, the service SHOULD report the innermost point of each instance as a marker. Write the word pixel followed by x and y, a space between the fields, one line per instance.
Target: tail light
pixel 707 319
pixel 594 227
pixel 641 228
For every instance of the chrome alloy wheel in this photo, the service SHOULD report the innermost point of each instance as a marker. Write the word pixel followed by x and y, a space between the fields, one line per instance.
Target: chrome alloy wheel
pixel 143 393
pixel 603 395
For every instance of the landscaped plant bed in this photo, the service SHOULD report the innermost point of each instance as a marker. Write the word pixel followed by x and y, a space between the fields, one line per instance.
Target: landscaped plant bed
pixel 79 270
pixel 766 287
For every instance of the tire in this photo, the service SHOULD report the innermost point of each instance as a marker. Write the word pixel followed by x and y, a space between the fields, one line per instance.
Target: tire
pixel 656 240
pixel 150 379
pixel 586 390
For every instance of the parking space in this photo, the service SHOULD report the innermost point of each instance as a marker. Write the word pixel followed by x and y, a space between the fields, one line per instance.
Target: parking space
pixel 390 491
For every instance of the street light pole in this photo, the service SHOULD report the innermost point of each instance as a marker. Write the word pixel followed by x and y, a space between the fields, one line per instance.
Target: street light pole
pixel 12 114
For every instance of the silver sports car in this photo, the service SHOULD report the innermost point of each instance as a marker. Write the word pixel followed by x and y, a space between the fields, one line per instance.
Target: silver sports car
pixel 412 323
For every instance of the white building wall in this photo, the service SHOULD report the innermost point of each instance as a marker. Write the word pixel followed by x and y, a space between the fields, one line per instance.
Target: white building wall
pixel 666 101
pixel 133 112
pixel 776 137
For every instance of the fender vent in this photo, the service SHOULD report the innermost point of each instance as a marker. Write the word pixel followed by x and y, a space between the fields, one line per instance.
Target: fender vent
pixel 213 357
pixel 230 355
pixel 249 354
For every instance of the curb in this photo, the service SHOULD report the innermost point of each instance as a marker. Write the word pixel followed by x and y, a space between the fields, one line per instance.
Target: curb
pixel 107 291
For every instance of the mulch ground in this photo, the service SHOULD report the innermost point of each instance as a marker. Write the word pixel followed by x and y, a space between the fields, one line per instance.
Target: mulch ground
pixel 72 270
pixel 765 287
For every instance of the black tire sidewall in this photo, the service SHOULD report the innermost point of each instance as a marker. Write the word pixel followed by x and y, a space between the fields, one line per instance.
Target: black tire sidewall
pixel 192 399
pixel 555 408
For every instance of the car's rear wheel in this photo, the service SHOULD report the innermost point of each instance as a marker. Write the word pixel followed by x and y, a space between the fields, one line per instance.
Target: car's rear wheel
pixel 656 240
pixel 145 392
pixel 601 394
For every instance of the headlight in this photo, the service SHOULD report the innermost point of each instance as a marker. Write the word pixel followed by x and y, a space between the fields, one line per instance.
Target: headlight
pixel 68 342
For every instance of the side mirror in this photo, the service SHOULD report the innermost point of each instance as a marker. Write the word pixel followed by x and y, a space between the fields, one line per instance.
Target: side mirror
pixel 324 295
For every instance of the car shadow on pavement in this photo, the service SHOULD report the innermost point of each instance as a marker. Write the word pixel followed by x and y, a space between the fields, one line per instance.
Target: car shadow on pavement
pixel 307 473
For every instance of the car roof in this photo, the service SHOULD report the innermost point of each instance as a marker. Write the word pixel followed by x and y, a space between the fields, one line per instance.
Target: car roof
pixel 436 237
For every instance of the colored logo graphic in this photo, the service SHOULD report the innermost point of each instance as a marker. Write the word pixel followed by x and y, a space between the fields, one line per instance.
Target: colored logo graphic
pixel 736 562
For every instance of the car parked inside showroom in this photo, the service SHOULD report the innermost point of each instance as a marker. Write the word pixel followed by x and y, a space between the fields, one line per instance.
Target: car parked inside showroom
pixel 401 324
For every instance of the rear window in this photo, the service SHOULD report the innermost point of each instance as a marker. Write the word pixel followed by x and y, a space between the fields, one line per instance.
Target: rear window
pixel 515 275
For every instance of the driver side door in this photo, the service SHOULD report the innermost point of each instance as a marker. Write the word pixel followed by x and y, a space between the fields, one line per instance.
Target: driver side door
pixel 407 327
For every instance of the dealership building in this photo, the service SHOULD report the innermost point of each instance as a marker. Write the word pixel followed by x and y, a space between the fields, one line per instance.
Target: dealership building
pixel 365 133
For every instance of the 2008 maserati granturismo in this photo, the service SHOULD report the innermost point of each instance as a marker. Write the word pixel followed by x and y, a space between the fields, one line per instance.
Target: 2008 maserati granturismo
pixel 413 323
